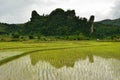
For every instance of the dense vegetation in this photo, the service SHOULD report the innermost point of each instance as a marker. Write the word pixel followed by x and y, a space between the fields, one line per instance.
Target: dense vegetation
pixel 60 24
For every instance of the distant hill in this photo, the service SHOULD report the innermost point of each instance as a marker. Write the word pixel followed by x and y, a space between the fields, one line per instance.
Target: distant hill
pixel 107 28
pixel 105 31
pixel 115 22
pixel 9 28
pixel 62 23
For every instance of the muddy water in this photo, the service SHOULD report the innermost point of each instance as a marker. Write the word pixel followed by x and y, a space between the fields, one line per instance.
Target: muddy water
pixel 99 69
pixel 6 54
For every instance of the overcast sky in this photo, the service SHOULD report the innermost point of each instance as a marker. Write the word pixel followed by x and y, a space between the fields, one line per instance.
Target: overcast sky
pixel 19 11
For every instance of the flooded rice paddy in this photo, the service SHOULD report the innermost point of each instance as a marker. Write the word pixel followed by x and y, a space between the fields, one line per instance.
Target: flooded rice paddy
pixel 83 69
pixel 60 61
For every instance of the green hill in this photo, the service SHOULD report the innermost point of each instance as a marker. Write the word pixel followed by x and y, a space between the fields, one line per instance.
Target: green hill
pixel 57 23
pixel 65 24
pixel 115 22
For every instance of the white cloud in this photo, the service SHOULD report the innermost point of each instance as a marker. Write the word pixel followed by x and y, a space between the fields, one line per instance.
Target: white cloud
pixel 115 10
pixel 17 11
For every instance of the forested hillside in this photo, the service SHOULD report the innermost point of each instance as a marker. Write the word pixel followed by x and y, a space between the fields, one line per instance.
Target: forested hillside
pixel 62 24
pixel 57 23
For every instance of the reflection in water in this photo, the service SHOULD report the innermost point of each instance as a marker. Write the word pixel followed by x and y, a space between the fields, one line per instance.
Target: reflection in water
pixel 91 59
pixel 22 69
pixel 59 60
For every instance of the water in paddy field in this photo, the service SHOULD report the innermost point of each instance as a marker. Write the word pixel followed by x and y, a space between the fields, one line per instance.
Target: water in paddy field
pixel 90 68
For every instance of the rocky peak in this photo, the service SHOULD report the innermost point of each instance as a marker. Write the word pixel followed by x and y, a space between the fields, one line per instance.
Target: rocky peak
pixel 34 15
pixel 91 23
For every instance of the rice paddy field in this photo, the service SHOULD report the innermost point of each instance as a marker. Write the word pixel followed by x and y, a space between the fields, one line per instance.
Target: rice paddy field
pixel 60 60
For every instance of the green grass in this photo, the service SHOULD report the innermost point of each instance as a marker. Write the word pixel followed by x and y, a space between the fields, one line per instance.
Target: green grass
pixel 60 53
